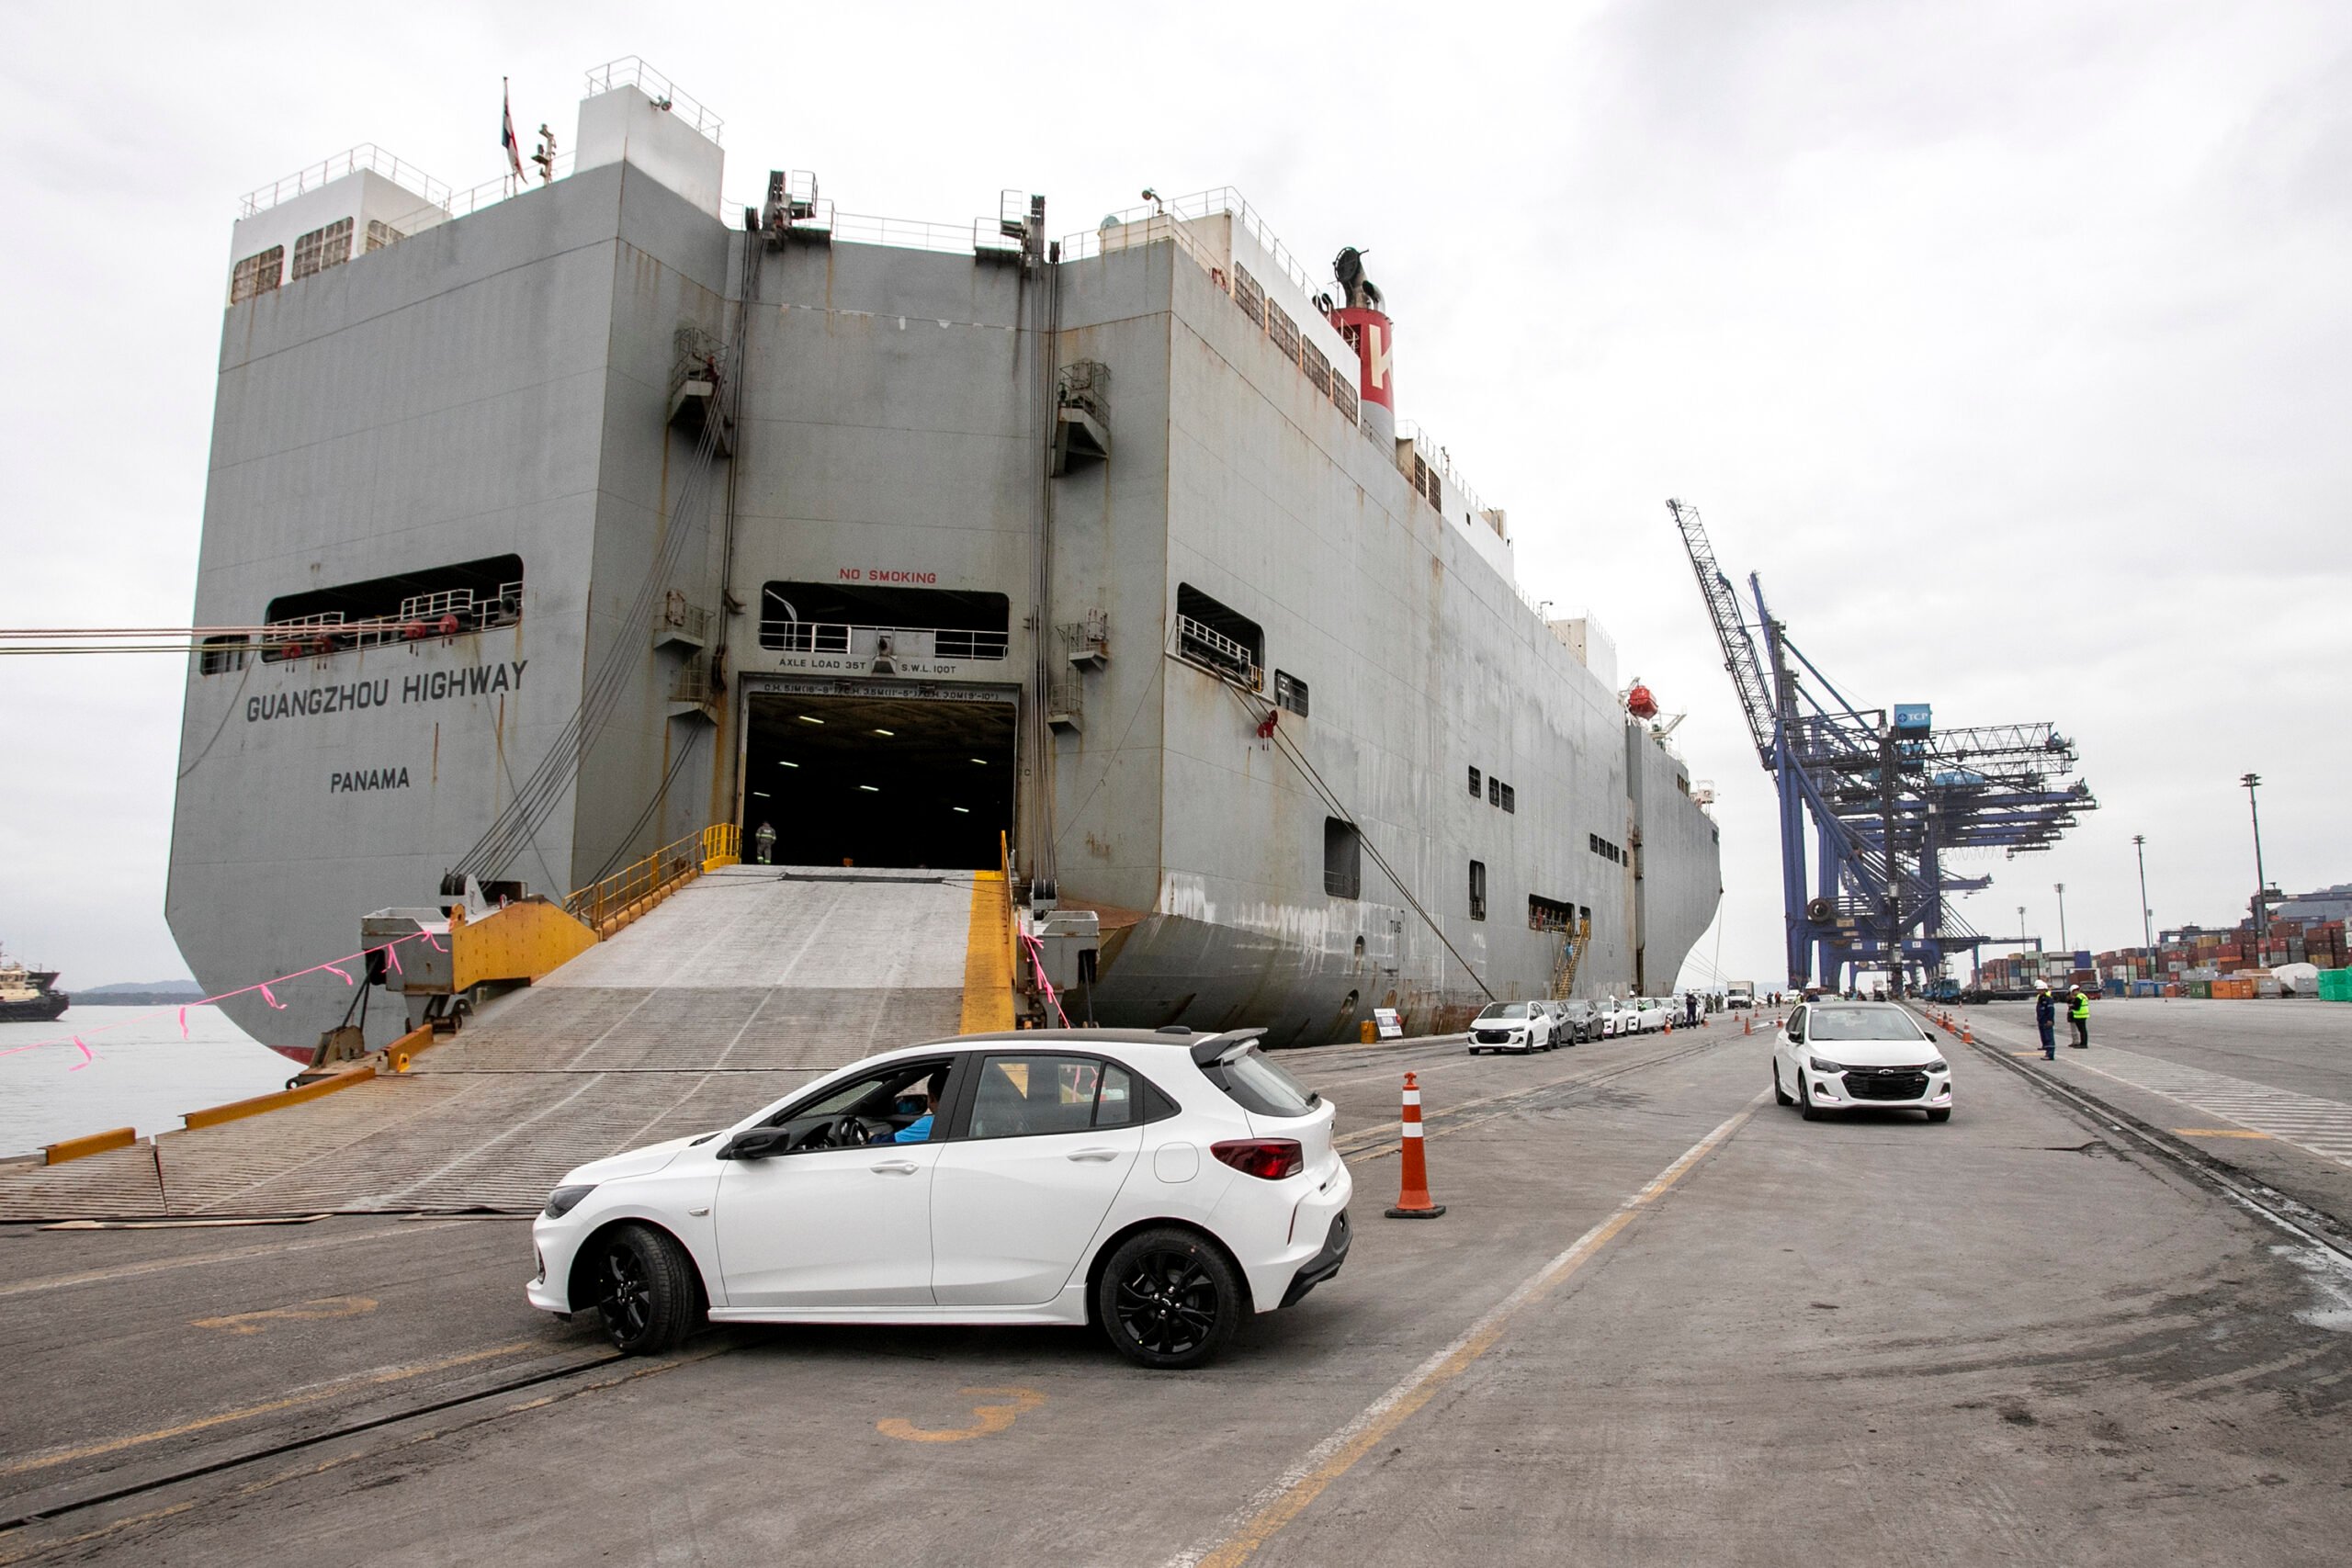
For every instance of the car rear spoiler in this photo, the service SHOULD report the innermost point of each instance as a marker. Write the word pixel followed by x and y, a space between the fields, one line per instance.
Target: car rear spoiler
pixel 1211 1049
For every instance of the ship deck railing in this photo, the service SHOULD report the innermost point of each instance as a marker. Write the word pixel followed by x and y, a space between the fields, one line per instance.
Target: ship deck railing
pixel 863 641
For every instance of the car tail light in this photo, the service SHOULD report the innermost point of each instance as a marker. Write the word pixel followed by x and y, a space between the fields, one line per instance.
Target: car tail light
pixel 1268 1160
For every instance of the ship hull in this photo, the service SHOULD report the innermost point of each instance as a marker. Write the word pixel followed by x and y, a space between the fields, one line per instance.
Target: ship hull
pixel 1389 797
pixel 37 1011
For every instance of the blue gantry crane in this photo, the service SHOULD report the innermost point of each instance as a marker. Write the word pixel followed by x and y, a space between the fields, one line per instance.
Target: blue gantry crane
pixel 1886 795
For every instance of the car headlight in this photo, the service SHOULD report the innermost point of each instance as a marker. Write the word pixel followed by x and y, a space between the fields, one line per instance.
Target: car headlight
pixel 1939 1066
pixel 1823 1065
pixel 564 1199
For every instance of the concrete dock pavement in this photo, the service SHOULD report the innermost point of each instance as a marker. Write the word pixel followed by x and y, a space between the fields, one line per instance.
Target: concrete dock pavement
pixel 2010 1337
pixel 2262 1086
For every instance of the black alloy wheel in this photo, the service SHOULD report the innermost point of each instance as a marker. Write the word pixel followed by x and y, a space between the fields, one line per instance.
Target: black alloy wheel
pixel 644 1290
pixel 1168 1299
pixel 1805 1100
pixel 1780 1095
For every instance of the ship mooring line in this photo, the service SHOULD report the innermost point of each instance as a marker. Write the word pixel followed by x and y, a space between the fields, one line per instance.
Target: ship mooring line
pixel 1331 798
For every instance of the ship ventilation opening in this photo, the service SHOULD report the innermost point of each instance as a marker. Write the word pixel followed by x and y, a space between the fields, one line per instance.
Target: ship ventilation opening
pixel 878 781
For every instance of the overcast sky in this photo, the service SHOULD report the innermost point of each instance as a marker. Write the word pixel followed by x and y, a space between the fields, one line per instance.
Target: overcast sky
pixel 2008 341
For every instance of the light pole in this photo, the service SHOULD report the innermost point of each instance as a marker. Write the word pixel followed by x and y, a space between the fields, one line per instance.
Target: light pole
pixel 2062 945
pixel 2261 906
pixel 2147 916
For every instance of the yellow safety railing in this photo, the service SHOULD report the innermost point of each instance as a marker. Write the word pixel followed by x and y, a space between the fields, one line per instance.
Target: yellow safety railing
pixel 613 902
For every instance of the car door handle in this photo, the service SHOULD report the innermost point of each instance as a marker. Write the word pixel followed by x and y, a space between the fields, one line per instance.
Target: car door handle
pixel 897 1167
pixel 1092 1154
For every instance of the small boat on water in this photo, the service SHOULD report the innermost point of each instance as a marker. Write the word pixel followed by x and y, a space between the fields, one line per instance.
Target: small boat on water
pixel 27 995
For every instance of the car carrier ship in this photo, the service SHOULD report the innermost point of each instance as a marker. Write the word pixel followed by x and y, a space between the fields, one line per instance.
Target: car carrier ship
pixel 549 522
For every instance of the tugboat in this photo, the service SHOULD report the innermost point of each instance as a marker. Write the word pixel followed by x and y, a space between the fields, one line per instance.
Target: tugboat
pixel 25 994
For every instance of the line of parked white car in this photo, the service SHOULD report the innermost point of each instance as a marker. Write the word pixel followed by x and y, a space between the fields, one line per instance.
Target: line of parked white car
pixel 1542 1025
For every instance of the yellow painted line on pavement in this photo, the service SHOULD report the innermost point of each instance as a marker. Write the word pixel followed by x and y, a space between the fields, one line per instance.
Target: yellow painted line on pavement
pixel 1265 1515
pixel 2216 1132
pixel 235 1254
pixel 246 1413
pixel 310 1310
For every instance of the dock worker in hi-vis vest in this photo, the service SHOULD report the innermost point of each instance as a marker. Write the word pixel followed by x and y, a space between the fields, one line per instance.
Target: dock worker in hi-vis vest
pixel 2078 1013
pixel 765 839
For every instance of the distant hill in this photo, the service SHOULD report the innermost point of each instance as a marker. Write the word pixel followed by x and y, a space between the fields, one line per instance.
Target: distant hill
pixel 137 994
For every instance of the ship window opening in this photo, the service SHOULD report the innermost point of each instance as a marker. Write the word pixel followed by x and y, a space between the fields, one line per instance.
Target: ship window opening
pixel 1477 890
pixel 1344 862
pixel 840 793
pixel 410 607
pixel 1507 797
pixel 257 275
pixel 1359 947
pixel 219 655
pixel 322 248
pixel 1319 369
pixel 380 234
pixel 1248 296
pixel 1343 395
pixel 1290 692
pixel 1475 790
pixel 1584 912
pixel 1550 915
pixel 1283 330
pixel 1220 639
pixel 850 618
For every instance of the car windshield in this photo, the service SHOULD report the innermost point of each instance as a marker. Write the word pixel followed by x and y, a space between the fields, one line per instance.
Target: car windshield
pixel 1503 1009
pixel 1864 1022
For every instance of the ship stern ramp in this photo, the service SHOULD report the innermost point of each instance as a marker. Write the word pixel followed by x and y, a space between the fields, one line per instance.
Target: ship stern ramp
pixel 746 983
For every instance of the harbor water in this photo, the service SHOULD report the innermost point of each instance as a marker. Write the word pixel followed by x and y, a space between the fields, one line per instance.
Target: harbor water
pixel 139 1074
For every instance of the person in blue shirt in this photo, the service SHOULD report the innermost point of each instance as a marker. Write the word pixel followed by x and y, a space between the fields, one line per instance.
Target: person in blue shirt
pixel 2045 1018
pixel 921 1101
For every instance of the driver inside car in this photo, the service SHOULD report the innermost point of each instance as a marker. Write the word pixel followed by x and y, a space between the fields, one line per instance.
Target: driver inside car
pixel 919 1100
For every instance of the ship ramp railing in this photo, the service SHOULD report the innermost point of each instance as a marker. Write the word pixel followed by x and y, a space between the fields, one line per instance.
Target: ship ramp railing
pixel 1205 647
pixel 612 902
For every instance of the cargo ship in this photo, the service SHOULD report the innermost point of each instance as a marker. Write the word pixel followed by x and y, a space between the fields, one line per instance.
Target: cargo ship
pixel 27 996
pixel 551 522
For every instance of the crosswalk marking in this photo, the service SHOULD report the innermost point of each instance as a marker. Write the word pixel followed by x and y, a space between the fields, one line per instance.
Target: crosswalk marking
pixel 2322 1127
pixel 2316 1126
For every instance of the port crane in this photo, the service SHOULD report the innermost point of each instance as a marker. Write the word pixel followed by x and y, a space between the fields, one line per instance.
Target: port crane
pixel 1885 794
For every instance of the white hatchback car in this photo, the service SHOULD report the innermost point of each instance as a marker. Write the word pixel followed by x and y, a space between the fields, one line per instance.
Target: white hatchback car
pixel 1874 1056
pixel 1157 1184
pixel 1512 1026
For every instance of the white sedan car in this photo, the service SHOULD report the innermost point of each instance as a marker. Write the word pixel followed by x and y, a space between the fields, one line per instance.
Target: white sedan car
pixel 1872 1056
pixel 1157 1184
pixel 1621 1018
pixel 1512 1026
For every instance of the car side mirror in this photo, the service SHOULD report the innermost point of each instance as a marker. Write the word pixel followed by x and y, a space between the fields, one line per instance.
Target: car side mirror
pixel 755 1143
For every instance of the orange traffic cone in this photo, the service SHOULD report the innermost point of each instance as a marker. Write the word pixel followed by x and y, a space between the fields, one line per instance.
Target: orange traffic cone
pixel 1413 1202
pixel 1747 1024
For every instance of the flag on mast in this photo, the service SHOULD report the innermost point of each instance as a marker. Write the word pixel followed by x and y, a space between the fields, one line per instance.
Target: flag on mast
pixel 506 129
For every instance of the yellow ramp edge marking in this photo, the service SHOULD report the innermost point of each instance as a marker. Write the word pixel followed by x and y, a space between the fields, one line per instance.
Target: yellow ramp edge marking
pixel 2216 1132
pixel 987 962
pixel 89 1144
pixel 238 1110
